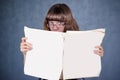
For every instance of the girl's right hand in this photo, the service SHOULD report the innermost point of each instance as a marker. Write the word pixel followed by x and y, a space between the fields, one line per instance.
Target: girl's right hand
pixel 25 46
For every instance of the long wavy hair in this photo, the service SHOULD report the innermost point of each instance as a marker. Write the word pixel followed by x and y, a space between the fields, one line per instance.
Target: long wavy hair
pixel 61 12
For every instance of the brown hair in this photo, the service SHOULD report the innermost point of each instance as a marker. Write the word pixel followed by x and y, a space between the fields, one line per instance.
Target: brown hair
pixel 61 12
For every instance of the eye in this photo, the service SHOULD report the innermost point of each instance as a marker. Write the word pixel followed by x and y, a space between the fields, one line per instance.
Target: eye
pixel 50 23
pixel 60 23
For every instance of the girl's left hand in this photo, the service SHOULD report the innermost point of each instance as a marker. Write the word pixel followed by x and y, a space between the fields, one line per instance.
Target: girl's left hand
pixel 99 50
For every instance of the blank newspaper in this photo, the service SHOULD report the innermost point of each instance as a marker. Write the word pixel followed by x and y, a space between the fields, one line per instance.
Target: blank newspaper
pixel 71 53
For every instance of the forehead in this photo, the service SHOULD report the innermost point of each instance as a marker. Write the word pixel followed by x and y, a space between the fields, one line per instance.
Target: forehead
pixel 54 21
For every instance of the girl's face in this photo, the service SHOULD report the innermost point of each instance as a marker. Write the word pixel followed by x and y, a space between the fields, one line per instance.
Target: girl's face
pixel 56 26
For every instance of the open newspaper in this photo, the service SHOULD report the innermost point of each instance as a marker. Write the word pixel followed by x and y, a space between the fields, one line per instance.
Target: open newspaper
pixel 55 52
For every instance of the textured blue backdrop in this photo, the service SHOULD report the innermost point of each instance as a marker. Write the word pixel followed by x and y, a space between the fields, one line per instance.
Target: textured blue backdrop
pixel 89 14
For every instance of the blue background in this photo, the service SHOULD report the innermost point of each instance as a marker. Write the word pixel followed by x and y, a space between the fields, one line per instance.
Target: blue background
pixel 90 14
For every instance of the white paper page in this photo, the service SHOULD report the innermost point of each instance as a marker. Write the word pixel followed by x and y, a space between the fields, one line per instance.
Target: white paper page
pixel 79 58
pixel 45 59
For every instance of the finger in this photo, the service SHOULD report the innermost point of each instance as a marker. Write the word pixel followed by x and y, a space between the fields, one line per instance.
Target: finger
pixel 26 47
pixel 98 52
pixel 26 44
pixel 99 47
pixel 29 44
pixel 101 50
pixel 24 39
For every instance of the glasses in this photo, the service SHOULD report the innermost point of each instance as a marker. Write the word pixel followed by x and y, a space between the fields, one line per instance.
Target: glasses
pixel 58 24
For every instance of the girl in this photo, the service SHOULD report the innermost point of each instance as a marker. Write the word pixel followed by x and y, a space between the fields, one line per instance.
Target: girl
pixel 59 18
